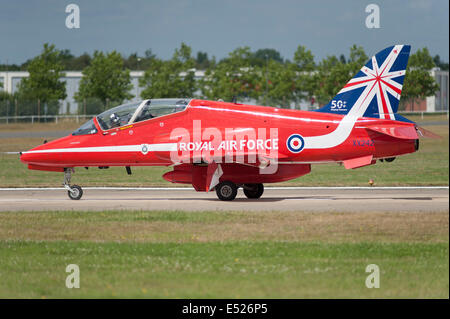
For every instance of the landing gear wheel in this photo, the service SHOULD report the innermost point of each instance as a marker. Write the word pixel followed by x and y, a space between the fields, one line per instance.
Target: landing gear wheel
pixel 75 192
pixel 253 190
pixel 226 191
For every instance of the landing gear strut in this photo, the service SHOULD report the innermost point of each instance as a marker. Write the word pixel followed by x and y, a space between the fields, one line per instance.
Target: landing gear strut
pixel 75 192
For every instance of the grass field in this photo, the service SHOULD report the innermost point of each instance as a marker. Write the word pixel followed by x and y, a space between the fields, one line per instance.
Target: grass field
pixel 429 166
pixel 152 254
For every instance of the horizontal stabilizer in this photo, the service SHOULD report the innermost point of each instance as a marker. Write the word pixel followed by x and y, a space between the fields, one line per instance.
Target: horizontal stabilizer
pixel 426 133
pixel 397 131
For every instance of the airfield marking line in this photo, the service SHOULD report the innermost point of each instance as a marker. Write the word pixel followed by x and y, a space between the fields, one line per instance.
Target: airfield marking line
pixel 267 188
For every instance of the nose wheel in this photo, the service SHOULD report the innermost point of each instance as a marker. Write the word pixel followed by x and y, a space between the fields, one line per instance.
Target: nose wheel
pixel 75 192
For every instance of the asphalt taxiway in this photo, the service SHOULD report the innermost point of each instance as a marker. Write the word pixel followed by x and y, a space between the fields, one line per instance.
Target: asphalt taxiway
pixel 320 199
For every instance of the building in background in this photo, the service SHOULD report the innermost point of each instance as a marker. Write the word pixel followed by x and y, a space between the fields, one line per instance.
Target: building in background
pixel 437 102
pixel 10 81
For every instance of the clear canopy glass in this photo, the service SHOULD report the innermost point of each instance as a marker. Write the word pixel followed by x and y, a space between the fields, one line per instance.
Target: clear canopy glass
pixel 86 128
pixel 129 113
pixel 136 112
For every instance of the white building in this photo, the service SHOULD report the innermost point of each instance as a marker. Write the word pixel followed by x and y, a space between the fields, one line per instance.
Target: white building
pixel 10 80
pixel 439 101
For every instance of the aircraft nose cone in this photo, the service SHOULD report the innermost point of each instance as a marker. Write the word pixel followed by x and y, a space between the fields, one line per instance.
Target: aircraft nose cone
pixel 31 156
pixel 26 157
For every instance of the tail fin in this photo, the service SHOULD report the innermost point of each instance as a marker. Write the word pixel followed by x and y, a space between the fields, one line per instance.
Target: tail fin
pixel 375 90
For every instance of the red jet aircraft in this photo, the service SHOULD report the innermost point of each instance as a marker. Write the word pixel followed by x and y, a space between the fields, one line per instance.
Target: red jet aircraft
pixel 224 146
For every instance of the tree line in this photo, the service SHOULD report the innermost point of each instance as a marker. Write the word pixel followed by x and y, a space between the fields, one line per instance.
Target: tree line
pixel 263 76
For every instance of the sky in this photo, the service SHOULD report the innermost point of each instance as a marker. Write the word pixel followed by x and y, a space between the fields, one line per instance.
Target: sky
pixel 326 27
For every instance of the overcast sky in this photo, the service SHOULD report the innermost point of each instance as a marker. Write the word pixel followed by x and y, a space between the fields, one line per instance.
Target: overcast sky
pixel 217 27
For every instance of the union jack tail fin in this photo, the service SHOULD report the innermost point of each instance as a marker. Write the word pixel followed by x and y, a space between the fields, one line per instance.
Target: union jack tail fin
pixel 375 90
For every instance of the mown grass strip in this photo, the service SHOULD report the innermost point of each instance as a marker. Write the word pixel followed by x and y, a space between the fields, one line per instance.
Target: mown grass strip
pixel 211 226
pixel 223 270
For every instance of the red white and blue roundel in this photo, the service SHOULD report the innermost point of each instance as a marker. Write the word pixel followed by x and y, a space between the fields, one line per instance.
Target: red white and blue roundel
pixel 295 143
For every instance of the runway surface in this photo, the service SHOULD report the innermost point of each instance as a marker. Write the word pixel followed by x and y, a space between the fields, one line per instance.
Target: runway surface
pixel 300 199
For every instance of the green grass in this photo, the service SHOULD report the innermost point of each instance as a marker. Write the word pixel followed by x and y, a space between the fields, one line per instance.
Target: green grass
pixel 155 254
pixel 208 226
pixel 226 270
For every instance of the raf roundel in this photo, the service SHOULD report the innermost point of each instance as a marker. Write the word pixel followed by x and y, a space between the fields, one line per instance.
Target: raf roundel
pixel 295 143
pixel 144 149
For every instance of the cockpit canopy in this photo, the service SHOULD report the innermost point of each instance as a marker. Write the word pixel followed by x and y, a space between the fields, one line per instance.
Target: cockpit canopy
pixel 130 113
pixel 127 114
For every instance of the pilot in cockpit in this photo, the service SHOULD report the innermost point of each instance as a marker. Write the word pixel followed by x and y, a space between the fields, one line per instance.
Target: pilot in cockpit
pixel 114 120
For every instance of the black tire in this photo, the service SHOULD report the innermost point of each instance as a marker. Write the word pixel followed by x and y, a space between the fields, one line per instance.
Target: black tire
pixel 253 191
pixel 75 193
pixel 226 191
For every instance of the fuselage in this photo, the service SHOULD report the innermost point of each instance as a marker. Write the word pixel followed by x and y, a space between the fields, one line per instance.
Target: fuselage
pixel 198 129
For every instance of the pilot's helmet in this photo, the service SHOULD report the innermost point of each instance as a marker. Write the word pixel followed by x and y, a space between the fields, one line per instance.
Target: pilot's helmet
pixel 114 118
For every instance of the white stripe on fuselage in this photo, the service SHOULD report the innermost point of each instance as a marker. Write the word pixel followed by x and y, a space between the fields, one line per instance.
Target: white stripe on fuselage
pixel 165 147
pixel 342 132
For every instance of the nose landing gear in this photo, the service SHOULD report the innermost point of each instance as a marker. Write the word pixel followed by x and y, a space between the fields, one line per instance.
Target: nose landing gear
pixel 75 192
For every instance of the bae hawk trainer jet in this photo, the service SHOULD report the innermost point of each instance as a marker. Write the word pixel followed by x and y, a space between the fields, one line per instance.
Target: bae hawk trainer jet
pixel 221 146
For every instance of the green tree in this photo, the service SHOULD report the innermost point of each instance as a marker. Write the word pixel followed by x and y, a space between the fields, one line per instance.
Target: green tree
pixel 105 79
pixel 304 65
pixel 262 56
pixel 439 63
pixel 277 86
pixel 202 62
pixel 233 77
pixel 78 63
pixel 357 59
pixel 418 82
pixel 172 78
pixel 10 67
pixel 6 103
pixel 332 74
pixel 44 84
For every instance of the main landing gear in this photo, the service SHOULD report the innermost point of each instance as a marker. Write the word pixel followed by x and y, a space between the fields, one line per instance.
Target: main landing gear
pixel 227 191
pixel 253 190
pixel 75 192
